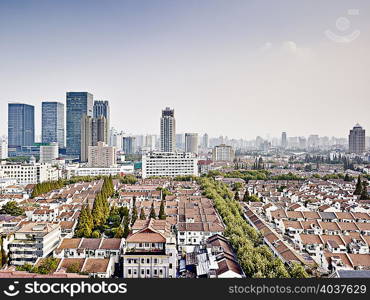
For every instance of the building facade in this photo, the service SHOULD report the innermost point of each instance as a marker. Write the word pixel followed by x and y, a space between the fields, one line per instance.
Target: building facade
pixel 32 241
pixel 78 105
pixel 357 140
pixel 169 164
pixel 102 156
pixel 21 125
pixel 168 130
pixel 52 123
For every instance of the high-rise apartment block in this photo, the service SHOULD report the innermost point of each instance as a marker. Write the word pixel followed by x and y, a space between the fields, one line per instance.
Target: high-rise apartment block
pixel 52 123
pixel 102 109
pixel 168 130
pixel 357 140
pixel 191 142
pixel 223 153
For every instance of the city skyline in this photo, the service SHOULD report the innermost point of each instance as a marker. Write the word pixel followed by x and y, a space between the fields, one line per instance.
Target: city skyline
pixel 209 61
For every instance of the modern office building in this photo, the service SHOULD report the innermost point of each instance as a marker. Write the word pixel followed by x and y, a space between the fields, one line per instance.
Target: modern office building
pixel 129 144
pixel 102 109
pixel 191 142
pixel 180 142
pixel 101 156
pixel 21 125
pixel 78 105
pixel 52 123
pixel 168 130
pixel 99 130
pixel 357 140
pixel 169 164
pixel 49 153
pixel 284 140
pixel 223 153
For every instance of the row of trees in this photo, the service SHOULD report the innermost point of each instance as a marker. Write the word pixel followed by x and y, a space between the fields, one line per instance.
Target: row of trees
pixel 47 186
pixel 255 258
pixel 90 222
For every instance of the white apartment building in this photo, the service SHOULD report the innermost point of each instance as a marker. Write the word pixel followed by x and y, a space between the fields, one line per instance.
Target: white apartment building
pixel 48 153
pixel 3 149
pixel 101 156
pixel 169 164
pixel 27 173
pixel 191 142
pixel 33 240
pixel 223 153
pixel 87 171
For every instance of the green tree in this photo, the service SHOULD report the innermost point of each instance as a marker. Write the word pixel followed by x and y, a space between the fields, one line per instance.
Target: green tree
pixel 119 232
pixel 142 214
pixel 358 189
pixel 152 214
pixel 236 197
pixel 297 271
pixel 134 215
pixel 364 194
pixel 95 234
pixel 12 208
pixel 162 214
pixel 246 196
pixel 85 223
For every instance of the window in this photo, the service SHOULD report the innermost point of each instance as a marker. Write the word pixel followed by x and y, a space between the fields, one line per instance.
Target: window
pixel 129 271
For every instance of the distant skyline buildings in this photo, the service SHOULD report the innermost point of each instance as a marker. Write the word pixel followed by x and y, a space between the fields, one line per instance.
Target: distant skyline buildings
pixel 191 142
pixel 102 109
pixel 78 105
pixel 21 125
pixel 168 130
pixel 52 123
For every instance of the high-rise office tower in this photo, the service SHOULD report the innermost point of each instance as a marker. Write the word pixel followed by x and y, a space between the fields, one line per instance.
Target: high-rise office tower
pixel 180 143
pixel 78 105
pixel 21 125
pixel 101 109
pixel 52 123
pixel 168 130
pixel 191 142
pixel 284 140
pixel 356 140
pixel 99 130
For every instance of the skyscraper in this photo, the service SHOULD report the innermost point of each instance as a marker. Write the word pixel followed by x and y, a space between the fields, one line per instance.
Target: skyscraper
pixel 102 109
pixel 21 125
pixel 93 131
pixel 168 130
pixel 78 105
pixel 284 141
pixel 191 142
pixel 356 140
pixel 52 123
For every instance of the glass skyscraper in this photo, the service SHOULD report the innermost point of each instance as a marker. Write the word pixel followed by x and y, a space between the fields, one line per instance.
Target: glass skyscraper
pixel 21 125
pixel 53 123
pixel 78 105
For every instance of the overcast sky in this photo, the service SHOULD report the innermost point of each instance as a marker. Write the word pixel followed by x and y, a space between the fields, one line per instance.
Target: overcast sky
pixel 239 68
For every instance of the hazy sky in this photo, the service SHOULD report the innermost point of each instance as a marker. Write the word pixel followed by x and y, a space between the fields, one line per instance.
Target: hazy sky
pixel 240 68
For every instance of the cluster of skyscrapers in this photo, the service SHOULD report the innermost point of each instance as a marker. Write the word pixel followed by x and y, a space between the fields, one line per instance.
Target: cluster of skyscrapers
pixel 87 124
